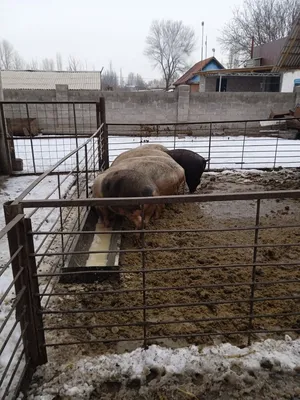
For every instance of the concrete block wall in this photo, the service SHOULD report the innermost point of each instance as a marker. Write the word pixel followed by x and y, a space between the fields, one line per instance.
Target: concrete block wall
pixel 145 107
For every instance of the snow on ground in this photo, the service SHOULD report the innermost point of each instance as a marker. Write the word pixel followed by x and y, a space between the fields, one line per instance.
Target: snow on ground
pixel 226 151
pixel 10 189
pixel 156 369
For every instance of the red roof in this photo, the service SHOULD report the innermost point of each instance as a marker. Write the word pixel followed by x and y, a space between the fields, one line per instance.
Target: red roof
pixel 196 68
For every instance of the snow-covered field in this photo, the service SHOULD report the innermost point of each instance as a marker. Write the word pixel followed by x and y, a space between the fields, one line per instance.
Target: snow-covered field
pixel 226 152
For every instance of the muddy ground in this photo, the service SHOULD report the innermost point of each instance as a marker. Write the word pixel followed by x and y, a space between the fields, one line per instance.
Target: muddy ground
pixel 234 282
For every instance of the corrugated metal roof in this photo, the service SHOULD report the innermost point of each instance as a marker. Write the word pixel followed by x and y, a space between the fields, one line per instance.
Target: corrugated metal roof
pixel 290 54
pixel 82 80
pixel 196 68
pixel 249 70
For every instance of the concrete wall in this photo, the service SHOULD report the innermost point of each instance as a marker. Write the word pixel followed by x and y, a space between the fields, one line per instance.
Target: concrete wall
pixel 145 107
pixel 228 106
pixel 287 82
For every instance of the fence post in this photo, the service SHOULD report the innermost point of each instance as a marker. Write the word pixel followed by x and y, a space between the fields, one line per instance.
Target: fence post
pixel 31 322
pixel 98 121
pixel 5 157
pixel 105 133
pixel 253 277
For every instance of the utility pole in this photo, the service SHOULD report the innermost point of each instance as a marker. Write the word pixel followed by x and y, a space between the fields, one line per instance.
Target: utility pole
pixel 206 47
pixel 202 40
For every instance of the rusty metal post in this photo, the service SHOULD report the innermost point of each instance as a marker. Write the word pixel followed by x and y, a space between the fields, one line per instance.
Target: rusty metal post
pixel 5 153
pixel 253 277
pixel 105 133
pixel 243 147
pixel 30 320
pixel 275 156
pixel 30 136
pixel 209 145
pixel 98 121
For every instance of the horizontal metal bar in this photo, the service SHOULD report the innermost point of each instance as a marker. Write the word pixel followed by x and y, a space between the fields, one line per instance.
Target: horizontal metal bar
pixel 4 231
pixel 2 298
pixel 169 288
pixel 249 228
pixel 168 322
pixel 48 102
pixel 192 198
pixel 171 249
pixel 13 307
pixel 188 335
pixel 199 123
pixel 13 354
pixel 165 306
pixel 11 332
pixel 8 263
pixel 185 268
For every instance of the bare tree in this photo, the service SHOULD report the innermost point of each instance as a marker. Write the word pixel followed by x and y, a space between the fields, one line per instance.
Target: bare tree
pixel 168 45
pixel 47 64
pixel 6 55
pixel 59 63
pixel 34 65
pixel 74 64
pixel 19 63
pixel 110 78
pixel 265 20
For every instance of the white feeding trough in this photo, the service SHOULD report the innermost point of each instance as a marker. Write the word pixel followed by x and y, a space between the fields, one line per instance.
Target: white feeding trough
pixel 87 265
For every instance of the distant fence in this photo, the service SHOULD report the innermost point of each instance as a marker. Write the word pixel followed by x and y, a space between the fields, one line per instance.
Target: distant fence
pixel 240 147
pixel 40 134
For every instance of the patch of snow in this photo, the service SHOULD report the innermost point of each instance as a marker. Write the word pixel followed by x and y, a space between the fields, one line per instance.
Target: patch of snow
pixel 80 379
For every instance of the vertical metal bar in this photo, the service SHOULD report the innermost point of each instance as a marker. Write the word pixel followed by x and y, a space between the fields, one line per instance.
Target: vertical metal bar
pixel 243 149
pixel 30 136
pixel 252 286
pixel 75 125
pixel 144 278
pixel 8 165
pixel 34 291
pixel 61 220
pixel 174 139
pixel 30 321
pixel 105 133
pixel 275 156
pixel 99 136
pixel 209 145
pixel 86 172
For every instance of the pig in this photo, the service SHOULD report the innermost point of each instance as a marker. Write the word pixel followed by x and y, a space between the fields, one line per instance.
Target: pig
pixel 130 183
pixel 139 177
pixel 193 165
pixel 142 151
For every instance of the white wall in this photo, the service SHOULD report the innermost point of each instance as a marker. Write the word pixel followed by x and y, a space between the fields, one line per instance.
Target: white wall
pixel 287 84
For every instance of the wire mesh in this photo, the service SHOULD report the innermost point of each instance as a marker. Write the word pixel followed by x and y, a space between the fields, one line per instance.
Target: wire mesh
pixel 40 134
pixel 241 145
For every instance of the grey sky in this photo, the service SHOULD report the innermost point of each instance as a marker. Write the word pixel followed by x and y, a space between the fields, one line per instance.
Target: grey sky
pixel 98 31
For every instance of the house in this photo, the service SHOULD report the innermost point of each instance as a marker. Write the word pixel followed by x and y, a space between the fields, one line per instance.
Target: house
pixel 81 80
pixel 288 63
pixel 192 78
pixel 249 79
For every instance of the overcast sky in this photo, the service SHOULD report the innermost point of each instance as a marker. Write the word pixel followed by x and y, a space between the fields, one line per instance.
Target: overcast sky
pixel 100 31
